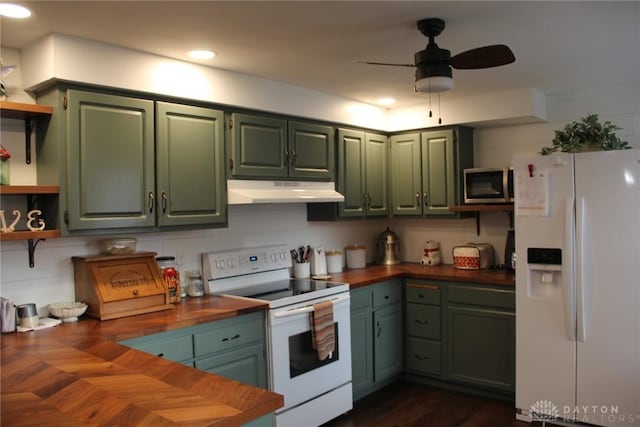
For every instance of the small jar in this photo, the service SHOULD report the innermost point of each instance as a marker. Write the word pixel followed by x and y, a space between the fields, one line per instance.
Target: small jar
pixel 171 277
pixel 196 285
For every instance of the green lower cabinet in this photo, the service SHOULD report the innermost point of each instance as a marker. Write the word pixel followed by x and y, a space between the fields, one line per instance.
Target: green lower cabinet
pixel 264 421
pixel 246 365
pixel 376 336
pixel 481 347
pixel 461 335
pixel 233 348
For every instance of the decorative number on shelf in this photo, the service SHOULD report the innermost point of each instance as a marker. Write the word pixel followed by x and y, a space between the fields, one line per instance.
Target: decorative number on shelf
pixel 12 226
pixel 33 217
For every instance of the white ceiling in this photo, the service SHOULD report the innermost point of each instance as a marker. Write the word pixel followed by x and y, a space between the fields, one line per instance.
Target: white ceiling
pixel 559 46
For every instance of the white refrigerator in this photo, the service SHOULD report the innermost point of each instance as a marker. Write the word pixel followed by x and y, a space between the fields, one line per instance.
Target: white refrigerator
pixel 577 229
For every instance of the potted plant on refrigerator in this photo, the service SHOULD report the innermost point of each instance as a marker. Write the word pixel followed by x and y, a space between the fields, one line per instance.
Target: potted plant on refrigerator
pixel 588 134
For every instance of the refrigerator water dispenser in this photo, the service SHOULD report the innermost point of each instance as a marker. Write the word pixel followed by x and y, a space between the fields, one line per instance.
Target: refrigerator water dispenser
pixel 544 268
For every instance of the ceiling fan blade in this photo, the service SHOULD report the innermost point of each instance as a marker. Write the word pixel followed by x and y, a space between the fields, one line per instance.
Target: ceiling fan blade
pixel 386 63
pixel 483 57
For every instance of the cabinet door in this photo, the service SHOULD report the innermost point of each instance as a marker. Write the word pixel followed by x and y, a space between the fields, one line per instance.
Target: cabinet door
pixel 361 352
pixel 388 342
pixel 351 178
pixel 438 172
pixel 111 161
pixel 246 364
pixel 190 165
pixel 406 175
pixel 481 347
pixel 376 176
pixel 258 146
pixel 311 151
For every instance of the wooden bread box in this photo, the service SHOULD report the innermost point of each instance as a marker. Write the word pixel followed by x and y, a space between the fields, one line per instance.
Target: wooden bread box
pixel 115 286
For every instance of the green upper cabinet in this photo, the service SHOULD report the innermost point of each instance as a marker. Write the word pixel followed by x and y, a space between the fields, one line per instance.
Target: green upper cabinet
pixel 269 147
pixel 129 163
pixel 111 154
pixel 190 165
pixel 427 168
pixel 362 173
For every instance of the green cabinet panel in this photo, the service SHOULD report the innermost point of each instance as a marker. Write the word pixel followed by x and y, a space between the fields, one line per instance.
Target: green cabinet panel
pixel 361 342
pixel 233 348
pixel 362 173
pixel 427 170
pixel 376 174
pixel 270 147
pixel 258 146
pixel 481 347
pixel 246 364
pixel 406 173
pixel 423 356
pixel 174 345
pixel 311 151
pixel 423 321
pixel 376 336
pixel 131 164
pixel 388 342
pixel 264 421
pixel 110 179
pixel 190 165
pixel 351 175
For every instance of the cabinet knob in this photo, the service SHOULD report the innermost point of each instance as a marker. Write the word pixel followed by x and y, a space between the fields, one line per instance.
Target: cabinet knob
pixel 418 199
pixel 151 201
pixel 136 292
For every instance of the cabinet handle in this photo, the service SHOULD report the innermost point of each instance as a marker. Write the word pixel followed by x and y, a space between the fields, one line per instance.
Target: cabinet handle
pixel 422 322
pixel 151 201
pixel 136 292
pixel 160 354
pixel 418 199
pixel 417 356
pixel 386 297
pixel 164 202
pixel 425 197
pixel 379 330
pixel 235 337
pixel 292 158
pixel 369 200
pixel 364 200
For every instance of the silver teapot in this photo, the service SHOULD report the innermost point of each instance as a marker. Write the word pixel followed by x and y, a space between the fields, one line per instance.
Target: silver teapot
pixel 388 248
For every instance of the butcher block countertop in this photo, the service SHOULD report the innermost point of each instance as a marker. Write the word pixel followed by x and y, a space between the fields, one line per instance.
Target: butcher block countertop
pixel 77 374
pixel 376 273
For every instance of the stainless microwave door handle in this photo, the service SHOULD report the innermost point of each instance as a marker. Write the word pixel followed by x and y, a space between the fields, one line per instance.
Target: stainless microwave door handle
pixel 307 308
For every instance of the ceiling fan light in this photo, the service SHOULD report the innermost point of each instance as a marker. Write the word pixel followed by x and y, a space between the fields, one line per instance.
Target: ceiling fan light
pixel 434 84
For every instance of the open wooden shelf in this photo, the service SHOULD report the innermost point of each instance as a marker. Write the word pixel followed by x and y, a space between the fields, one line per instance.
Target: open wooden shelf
pixel 498 207
pixel 29 235
pixel 18 110
pixel 501 207
pixel 29 189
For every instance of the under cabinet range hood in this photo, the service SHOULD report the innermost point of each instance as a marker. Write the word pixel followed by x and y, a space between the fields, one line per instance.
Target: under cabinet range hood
pixel 244 192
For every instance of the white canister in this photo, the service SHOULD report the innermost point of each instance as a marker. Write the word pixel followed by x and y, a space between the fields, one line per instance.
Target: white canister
pixel 334 261
pixel 356 256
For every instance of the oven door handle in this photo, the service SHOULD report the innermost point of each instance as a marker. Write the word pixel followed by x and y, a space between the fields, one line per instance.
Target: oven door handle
pixel 306 309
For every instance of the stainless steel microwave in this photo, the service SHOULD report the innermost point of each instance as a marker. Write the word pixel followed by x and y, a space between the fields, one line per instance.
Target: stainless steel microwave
pixel 488 185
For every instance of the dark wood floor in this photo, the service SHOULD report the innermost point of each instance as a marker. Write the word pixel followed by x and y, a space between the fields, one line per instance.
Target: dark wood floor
pixel 405 404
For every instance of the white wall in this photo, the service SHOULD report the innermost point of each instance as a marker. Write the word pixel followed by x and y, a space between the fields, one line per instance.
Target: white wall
pixel 52 278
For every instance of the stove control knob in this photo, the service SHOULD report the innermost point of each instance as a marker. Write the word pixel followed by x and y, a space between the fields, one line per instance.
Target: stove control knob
pixel 231 263
pixel 220 264
pixel 274 257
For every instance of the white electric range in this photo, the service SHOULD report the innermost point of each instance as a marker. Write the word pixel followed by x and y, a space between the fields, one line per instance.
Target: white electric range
pixel 315 391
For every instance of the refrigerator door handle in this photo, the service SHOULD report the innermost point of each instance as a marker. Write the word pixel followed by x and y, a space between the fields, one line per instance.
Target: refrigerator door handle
pixel 568 284
pixel 581 276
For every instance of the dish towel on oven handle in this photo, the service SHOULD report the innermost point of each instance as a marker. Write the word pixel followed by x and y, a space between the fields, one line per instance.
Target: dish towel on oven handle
pixel 322 330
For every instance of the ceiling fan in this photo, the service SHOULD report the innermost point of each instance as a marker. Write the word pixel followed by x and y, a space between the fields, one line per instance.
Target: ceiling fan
pixel 433 64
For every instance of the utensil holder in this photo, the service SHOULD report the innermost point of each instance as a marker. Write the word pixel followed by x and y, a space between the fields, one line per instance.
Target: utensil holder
pixel 301 270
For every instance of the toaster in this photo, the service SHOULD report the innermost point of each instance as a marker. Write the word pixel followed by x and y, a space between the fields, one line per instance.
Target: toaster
pixel 473 256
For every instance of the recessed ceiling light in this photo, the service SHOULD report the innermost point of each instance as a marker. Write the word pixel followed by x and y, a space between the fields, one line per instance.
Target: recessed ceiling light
pixel 14 11
pixel 201 54
pixel 386 101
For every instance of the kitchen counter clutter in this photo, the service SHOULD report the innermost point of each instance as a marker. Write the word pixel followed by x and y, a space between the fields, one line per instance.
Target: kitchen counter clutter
pixel 78 374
